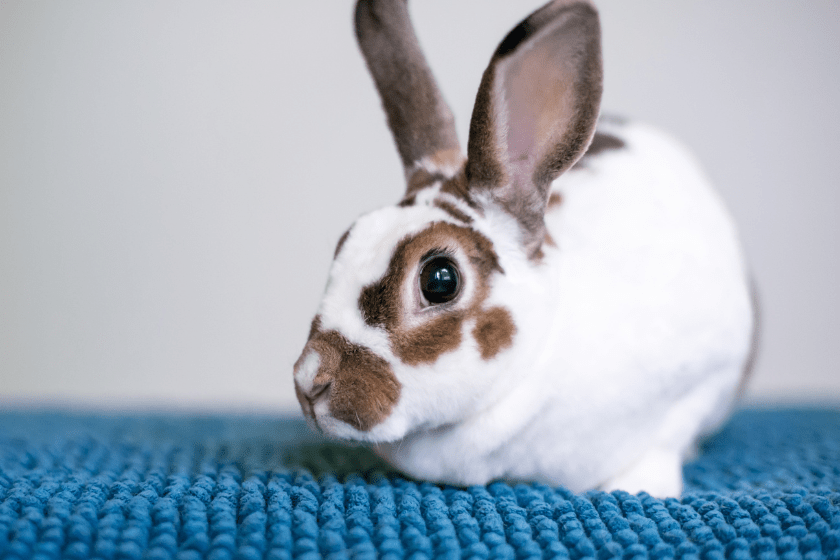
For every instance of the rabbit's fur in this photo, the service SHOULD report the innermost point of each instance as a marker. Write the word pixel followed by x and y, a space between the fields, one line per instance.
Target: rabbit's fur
pixel 601 317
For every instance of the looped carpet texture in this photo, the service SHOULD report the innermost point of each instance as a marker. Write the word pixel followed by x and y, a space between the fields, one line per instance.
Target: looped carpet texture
pixel 186 487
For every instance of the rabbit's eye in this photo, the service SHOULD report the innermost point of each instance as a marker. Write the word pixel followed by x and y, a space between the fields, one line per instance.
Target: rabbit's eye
pixel 439 280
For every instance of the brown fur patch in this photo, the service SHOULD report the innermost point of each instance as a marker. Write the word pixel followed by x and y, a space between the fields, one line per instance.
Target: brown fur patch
pixel 448 159
pixel 555 199
pixel 377 301
pixel 494 330
pixel 360 385
pixel 458 186
pixel 425 344
pixel 340 243
pixel 603 142
pixel 420 180
pixel 382 305
pixel 314 327
pixel 453 211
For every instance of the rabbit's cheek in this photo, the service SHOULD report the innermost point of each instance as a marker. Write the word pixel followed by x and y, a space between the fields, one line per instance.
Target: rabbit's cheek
pixel 425 344
pixel 493 331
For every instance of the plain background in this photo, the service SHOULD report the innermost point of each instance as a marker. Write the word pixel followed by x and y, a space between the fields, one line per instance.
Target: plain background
pixel 174 177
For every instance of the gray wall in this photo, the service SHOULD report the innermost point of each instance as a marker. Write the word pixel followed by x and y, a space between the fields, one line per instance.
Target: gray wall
pixel 173 177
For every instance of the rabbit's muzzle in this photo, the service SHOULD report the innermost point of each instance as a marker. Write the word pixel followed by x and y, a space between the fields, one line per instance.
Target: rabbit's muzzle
pixel 344 381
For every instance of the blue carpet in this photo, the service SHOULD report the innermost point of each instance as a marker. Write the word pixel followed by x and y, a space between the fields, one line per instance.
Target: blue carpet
pixel 80 486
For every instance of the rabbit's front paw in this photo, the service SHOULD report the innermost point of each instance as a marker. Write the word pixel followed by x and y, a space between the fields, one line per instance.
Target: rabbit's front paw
pixel 657 472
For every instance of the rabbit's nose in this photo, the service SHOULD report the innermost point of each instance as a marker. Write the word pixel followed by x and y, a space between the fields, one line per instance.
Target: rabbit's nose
pixel 337 380
pixel 319 389
pixel 308 398
pixel 314 377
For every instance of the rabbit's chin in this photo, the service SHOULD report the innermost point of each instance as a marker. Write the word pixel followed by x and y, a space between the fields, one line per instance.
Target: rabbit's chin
pixel 388 431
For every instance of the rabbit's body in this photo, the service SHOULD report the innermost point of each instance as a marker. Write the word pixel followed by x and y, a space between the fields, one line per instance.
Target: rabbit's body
pixel 638 342
pixel 519 315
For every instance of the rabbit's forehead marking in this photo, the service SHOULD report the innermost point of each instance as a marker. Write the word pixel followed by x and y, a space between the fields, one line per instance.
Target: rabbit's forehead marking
pixel 419 180
pixel 457 186
pixel 450 208
pixel 432 187
pixel 382 302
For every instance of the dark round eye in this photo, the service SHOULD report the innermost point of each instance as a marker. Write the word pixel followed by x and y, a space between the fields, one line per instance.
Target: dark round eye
pixel 439 280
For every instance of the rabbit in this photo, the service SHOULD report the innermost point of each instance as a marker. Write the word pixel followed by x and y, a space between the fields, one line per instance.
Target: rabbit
pixel 568 303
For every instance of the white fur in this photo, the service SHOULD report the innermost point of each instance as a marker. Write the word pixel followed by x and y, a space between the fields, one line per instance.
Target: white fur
pixel 632 333
pixel 307 370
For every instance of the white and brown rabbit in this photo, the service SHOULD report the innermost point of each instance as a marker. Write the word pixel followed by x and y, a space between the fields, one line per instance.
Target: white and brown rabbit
pixel 564 304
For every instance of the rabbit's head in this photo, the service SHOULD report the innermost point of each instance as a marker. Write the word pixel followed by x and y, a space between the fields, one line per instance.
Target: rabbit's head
pixel 428 303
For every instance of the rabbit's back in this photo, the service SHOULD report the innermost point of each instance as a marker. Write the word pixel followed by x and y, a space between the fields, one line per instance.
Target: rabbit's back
pixel 643 247
pixel 652 316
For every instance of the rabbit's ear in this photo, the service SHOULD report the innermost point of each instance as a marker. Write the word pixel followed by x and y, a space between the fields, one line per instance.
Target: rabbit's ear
pixel 536 111
pixel 419 118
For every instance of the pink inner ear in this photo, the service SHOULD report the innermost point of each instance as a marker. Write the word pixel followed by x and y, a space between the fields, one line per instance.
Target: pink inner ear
pixel 538 100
